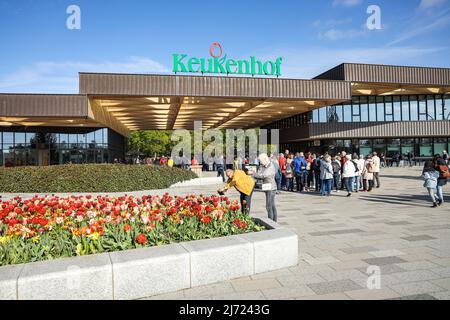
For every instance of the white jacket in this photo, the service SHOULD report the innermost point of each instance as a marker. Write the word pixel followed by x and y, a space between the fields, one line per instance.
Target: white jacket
pixel 349 169
pixel 376 163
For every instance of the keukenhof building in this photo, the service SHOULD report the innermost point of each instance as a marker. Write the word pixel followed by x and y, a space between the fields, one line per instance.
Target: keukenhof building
pixel 353 107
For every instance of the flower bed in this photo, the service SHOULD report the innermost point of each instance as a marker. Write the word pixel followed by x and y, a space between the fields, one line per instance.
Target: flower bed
pixel 51 227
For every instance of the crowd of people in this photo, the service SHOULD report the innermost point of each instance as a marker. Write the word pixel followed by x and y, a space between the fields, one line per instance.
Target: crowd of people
pixel 323 173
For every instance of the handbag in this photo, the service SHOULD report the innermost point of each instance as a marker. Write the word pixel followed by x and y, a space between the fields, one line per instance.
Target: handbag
pixel 266 187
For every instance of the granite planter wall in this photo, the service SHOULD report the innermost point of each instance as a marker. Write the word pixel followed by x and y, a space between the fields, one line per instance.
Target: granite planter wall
pixel 139 273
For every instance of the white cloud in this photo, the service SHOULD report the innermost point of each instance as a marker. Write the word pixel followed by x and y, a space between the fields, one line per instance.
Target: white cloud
pixel 347 3
pixel 421 27
pixel 428 4
pixel 62 77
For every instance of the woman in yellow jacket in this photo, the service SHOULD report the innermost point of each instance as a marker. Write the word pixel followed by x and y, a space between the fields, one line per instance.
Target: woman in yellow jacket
pixel 244 184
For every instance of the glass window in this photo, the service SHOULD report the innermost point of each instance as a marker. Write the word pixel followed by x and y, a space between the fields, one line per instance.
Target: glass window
pixel 439 108
pixel 379 146
pixel 389 110
pixel 372 109
pixel 348 113
pixel 414 108
pixel 405 108
pixel 397 109
pixel 347 143
pixel 8 137
pixel 431 109
pixel 323 115
pixel 425 147
pixel 380 108
pixel 356 113
pixel 393 147
pixel 440 144
pixel 315 119
pixel 8 158
pixel 105 135
pixel 408 146
pixel 364 109
pixel 446 108
pixel 365 147
pixel 99 137
pixel 332 116
pixel 31 139
pixel 339 115
pixel 19 138
pixel 422 108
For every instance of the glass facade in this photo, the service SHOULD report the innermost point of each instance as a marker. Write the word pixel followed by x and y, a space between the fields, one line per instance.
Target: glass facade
pixel 386 108
pixel 418 147
pixel 22 146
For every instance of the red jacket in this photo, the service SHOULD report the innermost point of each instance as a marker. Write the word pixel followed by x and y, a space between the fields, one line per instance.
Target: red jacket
pixel 282 163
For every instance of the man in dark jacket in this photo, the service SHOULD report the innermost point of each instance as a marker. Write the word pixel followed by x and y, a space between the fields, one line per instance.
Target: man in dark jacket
pixel 300 171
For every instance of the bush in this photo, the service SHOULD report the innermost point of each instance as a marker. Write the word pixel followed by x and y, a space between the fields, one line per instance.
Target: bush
pixel 89 178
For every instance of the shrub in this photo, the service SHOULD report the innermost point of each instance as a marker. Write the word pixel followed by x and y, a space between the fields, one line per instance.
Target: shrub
pixel 89 178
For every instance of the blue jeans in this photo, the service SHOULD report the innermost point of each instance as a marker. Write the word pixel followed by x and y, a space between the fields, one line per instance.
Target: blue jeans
pixel 290 184
pixel 278 182
pixel 317 181
pixel 439 191
pixel 357 183
pixel 337 180
pixel 326 186
pixel 349 184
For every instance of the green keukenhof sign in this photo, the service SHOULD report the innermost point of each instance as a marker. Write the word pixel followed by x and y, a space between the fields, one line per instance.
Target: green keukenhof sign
pixel 223 65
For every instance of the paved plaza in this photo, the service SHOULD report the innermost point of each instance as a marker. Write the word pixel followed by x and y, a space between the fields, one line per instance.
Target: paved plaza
pixel 393 227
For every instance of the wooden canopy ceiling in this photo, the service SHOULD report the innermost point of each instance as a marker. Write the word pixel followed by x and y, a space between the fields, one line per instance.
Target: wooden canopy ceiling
pixel 368 88
pixel 166 113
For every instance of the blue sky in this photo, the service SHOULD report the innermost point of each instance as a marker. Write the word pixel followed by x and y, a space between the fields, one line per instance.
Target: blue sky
pixel 39 53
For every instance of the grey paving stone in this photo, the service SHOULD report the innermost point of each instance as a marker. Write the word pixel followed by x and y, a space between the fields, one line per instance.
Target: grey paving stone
pixel 287 293
pixel 417 265
pixel 320 220
pixel 415 275
pixel 386 269
pixel 419 238
pixel 363 217
pixel 424 296
pixel 444 295
pixel 299 279
pixel 358 249
pixel 412 288
pixel 334 286
pixel 398 223
pixel 383 261
pixel 334 232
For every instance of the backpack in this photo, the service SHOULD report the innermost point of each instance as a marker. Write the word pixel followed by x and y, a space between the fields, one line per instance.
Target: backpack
pixel 288 169
pixel 370 167
pixel 336 167
pixel 444 172
pixel 356 165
